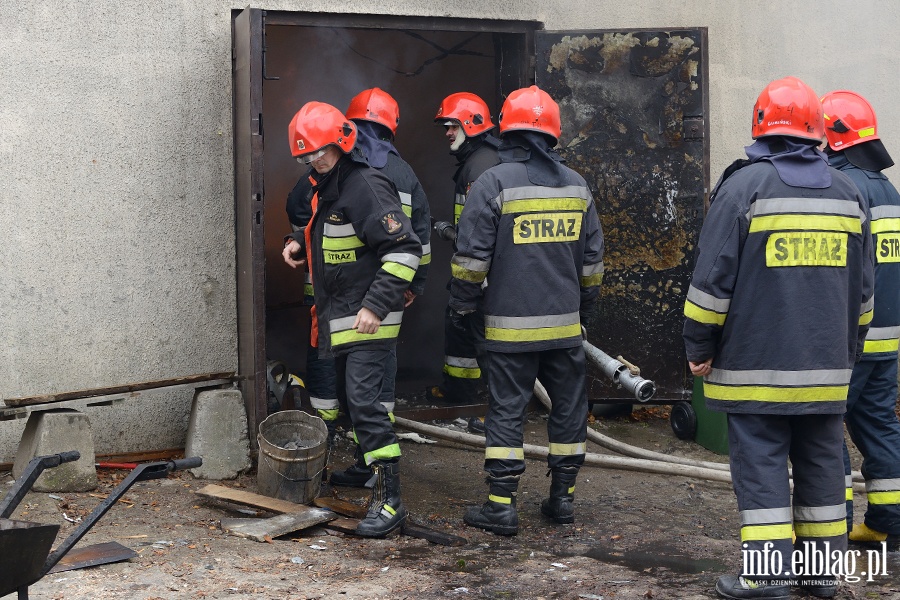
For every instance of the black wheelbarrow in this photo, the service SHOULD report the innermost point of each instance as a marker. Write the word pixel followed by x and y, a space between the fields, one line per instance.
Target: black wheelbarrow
pixel 25 547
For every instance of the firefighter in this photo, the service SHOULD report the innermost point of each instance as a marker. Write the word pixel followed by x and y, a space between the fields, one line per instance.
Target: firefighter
pixel 855 149
pixel 377 115
pixel 776 312
pixel 468 129
pixel 530 227
pixel 362 254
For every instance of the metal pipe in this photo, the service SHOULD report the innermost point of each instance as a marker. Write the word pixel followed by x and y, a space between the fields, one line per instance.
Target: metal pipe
pixel 619 374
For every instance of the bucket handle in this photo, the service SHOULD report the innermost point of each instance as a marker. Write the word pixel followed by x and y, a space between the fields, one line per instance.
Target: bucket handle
pixel 285 477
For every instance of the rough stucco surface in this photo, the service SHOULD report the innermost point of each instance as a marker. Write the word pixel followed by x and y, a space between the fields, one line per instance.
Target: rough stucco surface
pixel 117 209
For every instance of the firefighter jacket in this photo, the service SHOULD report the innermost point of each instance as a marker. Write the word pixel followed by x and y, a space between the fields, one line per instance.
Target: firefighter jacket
pixel 364 254
pixel 529 256
pixel 475 157
pixel 781 295
pixel 884 207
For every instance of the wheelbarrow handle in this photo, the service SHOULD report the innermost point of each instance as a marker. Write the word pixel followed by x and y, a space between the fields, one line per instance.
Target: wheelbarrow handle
pixel 192 462
pixel 70 456
pixel 29 475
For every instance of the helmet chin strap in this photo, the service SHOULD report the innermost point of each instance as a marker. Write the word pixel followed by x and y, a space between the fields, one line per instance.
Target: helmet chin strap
pixel 460 138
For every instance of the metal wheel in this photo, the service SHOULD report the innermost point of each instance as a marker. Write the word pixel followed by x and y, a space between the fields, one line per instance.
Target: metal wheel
pixel 683 421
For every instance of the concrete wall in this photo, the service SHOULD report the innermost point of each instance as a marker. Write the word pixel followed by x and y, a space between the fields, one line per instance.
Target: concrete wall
pixel 116 204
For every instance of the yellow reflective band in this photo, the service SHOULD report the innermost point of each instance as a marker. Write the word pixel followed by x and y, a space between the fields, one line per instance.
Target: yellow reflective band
pixel 426 259
pixel 572 490
pixel 873 346
pixel 499 499
pixel 351 335
pixel 806 249
pixel 866 317
pixel 884 498
pixel 407 210
pixel 466 275
pixel 462 372
pixel 328 415
pixel 337 258
pixel 543 204
pixel 387 508
pixel 701 315
pixel 499 453
pixel 385 453
pixel 592 280
pixel 757 533
pixel 849 494
pixel 805 223
pixel 539 334
pixel 398 270
pixel 566 449
pixel 308 290
pixel 759 393
pixel 391 416
pixel 887 247
pixel 820 530
pixel 546 227
pixel 885 225
pixel 457 210
pixel 867 132
pixel 341 243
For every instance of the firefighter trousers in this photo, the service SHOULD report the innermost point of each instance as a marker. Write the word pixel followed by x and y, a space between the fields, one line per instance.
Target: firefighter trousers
pixel 360 379
pixel 511 378
pixel 320 383
pixel 461 372
pixel 759 449
pixel 875 430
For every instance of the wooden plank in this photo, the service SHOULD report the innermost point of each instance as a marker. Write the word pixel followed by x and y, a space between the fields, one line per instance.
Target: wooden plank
pixel 263 530
pixel 274 505
pixel 343 525
pixel 117 389
pixel 342 507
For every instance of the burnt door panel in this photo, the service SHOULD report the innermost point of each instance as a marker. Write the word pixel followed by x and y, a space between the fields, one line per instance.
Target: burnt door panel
pixel 247 56
pixel 633 106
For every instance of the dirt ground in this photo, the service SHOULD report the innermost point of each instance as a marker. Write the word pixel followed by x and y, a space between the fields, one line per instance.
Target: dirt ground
pixel 636 536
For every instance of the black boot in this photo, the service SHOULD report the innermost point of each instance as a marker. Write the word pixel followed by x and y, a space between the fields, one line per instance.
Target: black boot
pixel 559 506
pixel 386 510
pixel 498 514
pixel 356 475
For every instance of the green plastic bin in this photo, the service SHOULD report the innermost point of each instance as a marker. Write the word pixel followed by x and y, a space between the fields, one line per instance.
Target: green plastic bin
pixel 712 426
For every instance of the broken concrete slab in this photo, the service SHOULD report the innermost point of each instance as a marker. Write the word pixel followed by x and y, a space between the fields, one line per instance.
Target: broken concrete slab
pixel 51 432
pixel 217 432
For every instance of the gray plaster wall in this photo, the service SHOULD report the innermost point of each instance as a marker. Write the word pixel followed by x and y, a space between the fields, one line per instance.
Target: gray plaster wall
pixel 116 204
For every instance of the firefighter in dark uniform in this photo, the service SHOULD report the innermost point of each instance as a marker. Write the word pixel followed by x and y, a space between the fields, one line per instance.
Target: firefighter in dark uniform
pixel 468 125
pixel 530 229
pixel 855 149
pixel 363 254
pixel 776 315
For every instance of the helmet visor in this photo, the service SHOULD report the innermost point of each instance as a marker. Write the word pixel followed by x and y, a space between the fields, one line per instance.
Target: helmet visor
pixel 308 158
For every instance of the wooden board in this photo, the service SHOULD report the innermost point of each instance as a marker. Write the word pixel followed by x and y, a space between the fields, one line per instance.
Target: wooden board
pixel 342 507
pixel 344 525
pixel 274 505
pixel 263 530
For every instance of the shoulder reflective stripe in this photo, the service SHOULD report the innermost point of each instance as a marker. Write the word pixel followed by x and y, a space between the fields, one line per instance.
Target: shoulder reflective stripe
pixel 771 377
pixel 341 243
pixel 324 403
pixel 805 223
pixel 338 231
pixel 410 260
pixel 882 498
pixel 883 225
pixel 567 449
pixel 383 453
pixel 885 211
pixel 866 317
pixel 405 199
pixel 708 301
pixel 755 533
pixel 496 452
pixel 762 516
pixel 882 485
pixel 821 530
pixel 400 271
pixel 500 499
pixel 776 394
pixel 820 513
pixel 701 315
pixel 531 205
pixel 529 192
pixel 780 206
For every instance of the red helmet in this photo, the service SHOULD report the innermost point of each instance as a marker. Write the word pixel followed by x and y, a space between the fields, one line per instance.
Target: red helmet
pixel 788 107
pixel 317 125
pixel 377 106
pixel 849 119
pixel 470 111
pixel 530 109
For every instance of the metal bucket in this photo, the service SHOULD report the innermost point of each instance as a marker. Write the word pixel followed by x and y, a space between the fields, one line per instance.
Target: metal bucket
pixel 292 455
